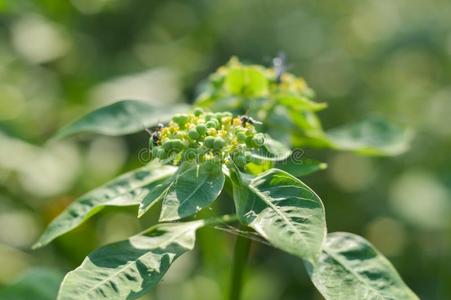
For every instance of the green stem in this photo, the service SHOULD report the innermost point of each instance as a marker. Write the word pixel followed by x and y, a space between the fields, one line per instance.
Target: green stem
pixel 240 257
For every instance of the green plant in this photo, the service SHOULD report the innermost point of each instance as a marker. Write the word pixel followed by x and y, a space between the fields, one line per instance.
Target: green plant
pixel 192 158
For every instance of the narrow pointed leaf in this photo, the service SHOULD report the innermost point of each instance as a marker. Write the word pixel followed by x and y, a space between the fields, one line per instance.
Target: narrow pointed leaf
pixel 130 268
pixel 123 117
pixel 374 136
pixel 196 187
pixel 350 268
pixel 125 190
pixel 284 211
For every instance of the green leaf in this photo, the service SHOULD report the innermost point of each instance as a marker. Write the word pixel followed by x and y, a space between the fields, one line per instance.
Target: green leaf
pixel 374 136
pixel 125 190
pixel 36 284
pixel 158 193
pixel 351 268
pixel 283 210
pixel 123 117
pixel 246 81
pixel 196 187
pixel 301 167
pixel 272 150
pixel 130 268
pixel 299 104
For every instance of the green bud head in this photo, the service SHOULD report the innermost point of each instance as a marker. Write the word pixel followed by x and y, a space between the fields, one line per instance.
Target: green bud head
pixel 209 142
pixel 218 143
pixel 241 137
pixel 212 124
pixel 193 134
pixel 258 140
pixel 177 144
pixel 201 129
pixel 240 160
pixel 181 119
pixel 198 111
pixel 209 116
pixel 167 145
pixel 161 154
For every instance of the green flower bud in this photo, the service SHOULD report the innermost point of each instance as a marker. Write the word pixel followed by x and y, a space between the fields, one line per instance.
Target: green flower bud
pixel 258 140
pixel 209 141
pixel 240 160
pixel 181 119
pixel 161 154
pixel 177 144
pixel 218 143
pixel 201 129
pixel 193 134
pixel 198 111
pixel 209 116
pixel 241 137
pixel 213 123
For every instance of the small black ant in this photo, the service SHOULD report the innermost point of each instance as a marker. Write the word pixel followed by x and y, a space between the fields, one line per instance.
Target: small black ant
pixel 246 119
pixel 155 135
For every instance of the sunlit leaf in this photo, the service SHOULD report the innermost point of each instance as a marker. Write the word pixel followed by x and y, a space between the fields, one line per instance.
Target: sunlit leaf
pixel 125 190
pixel 374 136
pixel 246 80
pixel 123 117
pixel 196 187
pixel 272 150
pixel 301 167
pixel 284 211
pixel 298 103
pixel 350 268
pixel 158 193
pixel 130 268
pixel 36 284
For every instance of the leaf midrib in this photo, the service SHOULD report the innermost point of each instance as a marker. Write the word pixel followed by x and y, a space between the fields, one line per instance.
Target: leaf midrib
pixel 359 277
pixel 126 266
pixel 278 211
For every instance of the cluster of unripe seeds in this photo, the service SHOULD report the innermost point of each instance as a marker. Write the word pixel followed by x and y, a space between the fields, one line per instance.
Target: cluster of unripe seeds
pixel 204 136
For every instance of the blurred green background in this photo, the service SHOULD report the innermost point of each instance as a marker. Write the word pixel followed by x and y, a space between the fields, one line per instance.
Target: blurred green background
pixel 60 59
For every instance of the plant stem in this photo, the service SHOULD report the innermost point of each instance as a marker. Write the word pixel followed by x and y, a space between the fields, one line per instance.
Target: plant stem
pixel 240 257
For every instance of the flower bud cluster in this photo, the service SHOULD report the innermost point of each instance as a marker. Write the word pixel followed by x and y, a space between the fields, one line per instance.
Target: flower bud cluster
pixel 204 136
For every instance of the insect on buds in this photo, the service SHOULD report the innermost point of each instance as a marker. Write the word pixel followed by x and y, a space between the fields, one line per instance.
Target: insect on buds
pixel 205 136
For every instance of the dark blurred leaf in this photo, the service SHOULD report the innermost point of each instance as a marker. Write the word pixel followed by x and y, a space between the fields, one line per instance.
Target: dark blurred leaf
pixel 299 168
pixel 125 190
pixel 196 187
pixel 123 117
pixel 284 211
pixel 374 136
pixel 37 284
pixel 351 268
pixel 130 268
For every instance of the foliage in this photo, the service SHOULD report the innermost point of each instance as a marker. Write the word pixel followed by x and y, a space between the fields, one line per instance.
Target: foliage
pixel 229 146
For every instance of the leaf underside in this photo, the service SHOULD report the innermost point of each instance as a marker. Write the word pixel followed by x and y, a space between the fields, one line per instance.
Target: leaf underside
pixel 128 269
pixel 374 136
pixel 350 268
pixel 120 118
pixel 284 211
pixel 125 190
pixel 195 188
